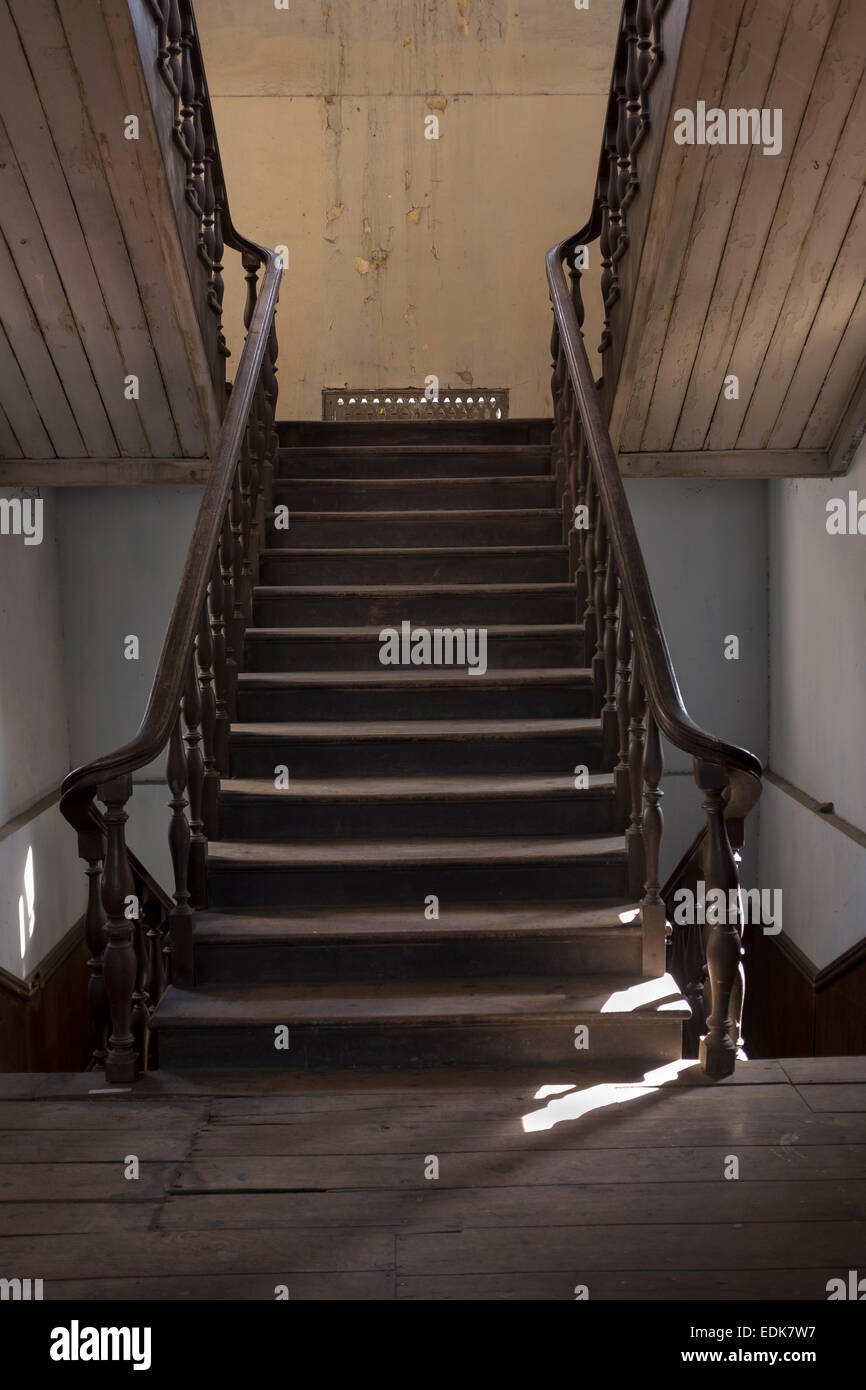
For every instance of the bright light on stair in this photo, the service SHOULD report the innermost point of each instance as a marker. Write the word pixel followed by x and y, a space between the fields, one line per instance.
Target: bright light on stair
pixel 640 996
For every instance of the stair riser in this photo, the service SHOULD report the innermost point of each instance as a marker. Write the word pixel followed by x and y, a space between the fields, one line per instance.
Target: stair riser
pixel 449 610
pixel 335 463
pixel 234 886
pixel 336 532
pixel 275 821
pixel 266 963
pixel 405 1045
pixel 342 654
pixel 391 757
pixel 321 433
pixel 542 566
pixel 476 700
pixel 421 495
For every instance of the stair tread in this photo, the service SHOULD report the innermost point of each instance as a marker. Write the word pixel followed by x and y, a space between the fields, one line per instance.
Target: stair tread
pixel 392 450
pixel 423 513
pixel 494 678
pixel 414 788
pixel 278 552
pixel 613 997
pixel 341 923
pixel 365 633
pixel 326 730
pixel 495 849
pixel 542 588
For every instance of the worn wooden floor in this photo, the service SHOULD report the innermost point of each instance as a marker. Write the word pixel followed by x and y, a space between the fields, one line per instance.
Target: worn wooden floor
pixel 319 1184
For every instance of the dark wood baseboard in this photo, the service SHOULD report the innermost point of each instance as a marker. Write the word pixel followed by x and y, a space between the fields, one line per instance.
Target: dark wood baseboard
pixel 44 1020
pixel 794 1010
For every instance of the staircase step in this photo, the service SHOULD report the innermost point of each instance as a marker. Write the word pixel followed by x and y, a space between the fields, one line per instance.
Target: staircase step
pixel 411 529
pixel 322 433
pixel 457 1022
pixel 414 693
pixel 387 942
pixel 337 808
pixel 414 461
pixel 427 565
pixel 462 605
pixel 509 646
pixel 354 748
pixel 408 871
pixel 412 494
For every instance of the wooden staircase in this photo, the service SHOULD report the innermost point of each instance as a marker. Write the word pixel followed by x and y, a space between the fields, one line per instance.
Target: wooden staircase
pixel 414 786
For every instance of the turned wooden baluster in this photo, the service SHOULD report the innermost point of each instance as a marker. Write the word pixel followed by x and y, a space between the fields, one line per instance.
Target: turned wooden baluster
pixel 633 128
pixel 227 548
pixel 590 624
pixel 614 213
pixel 723 944
pixel 598 582
pixel 119 960
pixel 153 915
pixel 222 723
pixel 623 163
pixel 557 442
pixel 604 243
pixel 180 918
pixel 174 62
pixel 211 790
pixel 236 511
pixel 634 834
pixel 195 189
pixel 644 57
pixel 195 769
pixel 653 915
pixel 622 784
pixel 244 576
pixel 609 724
pixel 159 10
pixel 269 377
pixel 141 1008
pixel 185 127
pixel 91 849
pixel 217 283
pixel 250 264
pixel 581 536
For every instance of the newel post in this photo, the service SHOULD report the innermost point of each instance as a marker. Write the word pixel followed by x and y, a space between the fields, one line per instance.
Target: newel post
pixel 120 963
pixel 723 945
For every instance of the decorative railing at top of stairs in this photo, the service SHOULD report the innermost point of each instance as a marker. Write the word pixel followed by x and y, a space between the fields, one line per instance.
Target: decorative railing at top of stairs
pixel 137 933
pixel 634 686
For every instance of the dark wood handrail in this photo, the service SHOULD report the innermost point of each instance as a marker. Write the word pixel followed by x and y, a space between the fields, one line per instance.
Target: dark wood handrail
pixel 663 693
pixel 79 787
pixel 634 686
pixel 138 933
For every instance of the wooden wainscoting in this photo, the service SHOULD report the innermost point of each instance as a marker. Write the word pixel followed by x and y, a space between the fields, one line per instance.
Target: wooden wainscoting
pixel 794 1010
pixel 44 1020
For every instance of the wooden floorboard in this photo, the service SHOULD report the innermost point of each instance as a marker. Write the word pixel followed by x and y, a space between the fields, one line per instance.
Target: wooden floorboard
pixel 322 1184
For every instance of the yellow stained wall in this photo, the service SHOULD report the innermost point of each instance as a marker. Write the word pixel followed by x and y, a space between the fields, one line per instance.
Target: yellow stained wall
pixel 410 256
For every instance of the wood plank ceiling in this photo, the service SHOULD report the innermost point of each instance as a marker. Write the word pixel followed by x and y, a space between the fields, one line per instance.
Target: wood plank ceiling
pixel 91 291
pixel 754 265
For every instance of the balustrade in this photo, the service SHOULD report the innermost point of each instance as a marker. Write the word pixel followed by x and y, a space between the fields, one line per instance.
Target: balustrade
pixel 139 936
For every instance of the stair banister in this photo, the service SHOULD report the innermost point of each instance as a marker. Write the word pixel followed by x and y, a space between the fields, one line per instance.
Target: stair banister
pixel 131 920
pixel 729 776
